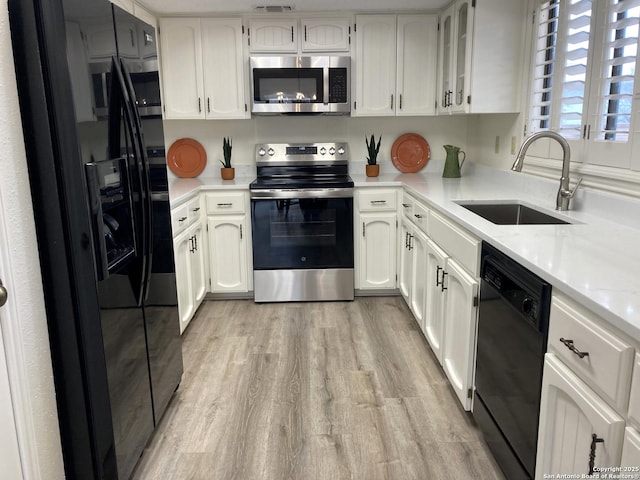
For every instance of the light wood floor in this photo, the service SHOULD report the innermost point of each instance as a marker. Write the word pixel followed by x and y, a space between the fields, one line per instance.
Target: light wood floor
pixel 306 391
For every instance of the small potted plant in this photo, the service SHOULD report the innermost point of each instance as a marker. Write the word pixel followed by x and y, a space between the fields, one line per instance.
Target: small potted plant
pixel 372 168
pixel 227 172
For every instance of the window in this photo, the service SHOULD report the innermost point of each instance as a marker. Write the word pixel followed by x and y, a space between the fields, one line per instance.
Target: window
pixel 585 54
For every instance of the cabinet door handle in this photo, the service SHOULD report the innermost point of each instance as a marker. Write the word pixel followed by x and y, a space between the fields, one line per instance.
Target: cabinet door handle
pixel 195 243
pixel 182 219
pixel 240 232
pixel 592 453
pixel 4 295
pixel 417 215
pixel 199 105
pixel 438 268
pixel 410 242
pixel 208 104
pixel 291 34
pixel 192 247
pixel 569 344
pixel 392 101
pixel 400 104
pixel 363 229
pixel 133 39
pixel 225 205
pixel 305 33
pixel 442 287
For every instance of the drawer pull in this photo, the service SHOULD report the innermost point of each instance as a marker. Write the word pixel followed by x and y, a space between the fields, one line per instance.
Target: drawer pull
pixel 417 215
pixel 225 205
pixel 182 219
pixel 592 454
pixel 442 287
pixel 438 268
pixel 196 210
pixel 406 205
pixel 569 344
pixel 378 202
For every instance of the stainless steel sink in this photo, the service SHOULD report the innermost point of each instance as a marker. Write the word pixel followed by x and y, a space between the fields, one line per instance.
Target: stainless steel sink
pixel 511 214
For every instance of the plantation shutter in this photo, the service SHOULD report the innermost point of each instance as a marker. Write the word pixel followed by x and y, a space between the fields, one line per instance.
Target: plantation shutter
pixel 613 86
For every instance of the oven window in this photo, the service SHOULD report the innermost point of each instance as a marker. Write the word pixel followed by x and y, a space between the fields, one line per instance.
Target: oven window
pixel 288 85
pixel 302 233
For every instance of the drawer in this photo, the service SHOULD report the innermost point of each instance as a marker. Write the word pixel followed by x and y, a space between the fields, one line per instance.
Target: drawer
pixel 420 216
pixel 225 202
pixel 179 219
pixel 457 242
pixel 634 399
pixel 407 204
pixel 376 199
pixel 608 361
pixel 193 210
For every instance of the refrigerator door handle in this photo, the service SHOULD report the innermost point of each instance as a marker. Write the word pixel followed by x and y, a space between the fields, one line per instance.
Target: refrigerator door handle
pixel 145 182
pixel 121 101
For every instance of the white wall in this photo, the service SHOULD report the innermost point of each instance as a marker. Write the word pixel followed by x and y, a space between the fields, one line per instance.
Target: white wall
pixel 437 131
pixel 26 338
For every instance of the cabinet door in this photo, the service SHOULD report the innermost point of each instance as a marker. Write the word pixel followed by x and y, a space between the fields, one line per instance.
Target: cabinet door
pixel 326 35
pixel 417 52
pixel 375 82
pixel 182 68
pixel 570 414
pixel 182 254
pixel 223 68
pixel 631 452
pixel 127 40
pixel 271 36
pixel 377 267
pixel 198 276
pixel 406 263
pixel 100 41
pixel 418 276
pixel 227 254
pixel 460 314
pixel 434 312
pixel 463 27
pixel 445 84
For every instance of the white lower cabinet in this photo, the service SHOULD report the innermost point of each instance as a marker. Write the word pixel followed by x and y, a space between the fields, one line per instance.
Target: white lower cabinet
pixel 630 463
pixel 460 319
pixel 413 275
pixel 377 254
pixel 404 282
pixel 190 272
pixel 228 253
pixel 576 425
pixel 436 263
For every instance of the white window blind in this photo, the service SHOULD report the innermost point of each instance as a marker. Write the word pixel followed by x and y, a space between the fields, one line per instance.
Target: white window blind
pixel 613 92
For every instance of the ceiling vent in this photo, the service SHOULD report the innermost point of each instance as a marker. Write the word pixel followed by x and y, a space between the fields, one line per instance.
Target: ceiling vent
pixel 273 8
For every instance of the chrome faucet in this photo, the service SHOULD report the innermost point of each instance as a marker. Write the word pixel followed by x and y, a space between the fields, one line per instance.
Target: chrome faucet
pixel 565 194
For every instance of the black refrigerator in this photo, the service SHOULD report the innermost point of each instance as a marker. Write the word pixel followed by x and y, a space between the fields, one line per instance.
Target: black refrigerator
pixel 91 112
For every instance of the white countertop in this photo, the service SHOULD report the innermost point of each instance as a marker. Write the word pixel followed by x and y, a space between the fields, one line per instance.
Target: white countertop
pixel 596 261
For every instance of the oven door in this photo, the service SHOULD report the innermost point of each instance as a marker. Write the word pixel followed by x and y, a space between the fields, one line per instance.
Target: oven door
pixel 302 229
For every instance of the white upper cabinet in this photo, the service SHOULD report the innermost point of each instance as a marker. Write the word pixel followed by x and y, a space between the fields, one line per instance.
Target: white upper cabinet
pixel 271 36
pixel 481 56
pixel 326 34
pixel 375 75
pixel 202 68
pixel 416 64
pixel 181 55
pixel 99 41
pixel 395 65
pixel 224 79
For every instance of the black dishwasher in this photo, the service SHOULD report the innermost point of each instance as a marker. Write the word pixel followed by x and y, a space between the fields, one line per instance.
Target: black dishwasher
pixel 513 323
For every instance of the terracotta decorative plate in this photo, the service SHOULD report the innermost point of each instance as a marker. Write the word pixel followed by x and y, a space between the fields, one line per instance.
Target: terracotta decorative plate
pixel 186 158
pixel 410 152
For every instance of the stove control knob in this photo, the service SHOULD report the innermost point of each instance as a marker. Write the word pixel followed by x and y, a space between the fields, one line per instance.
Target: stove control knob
pixel 332 151
pixel 340 150
pixel 262 152
pixel 323 151
pixel 271 152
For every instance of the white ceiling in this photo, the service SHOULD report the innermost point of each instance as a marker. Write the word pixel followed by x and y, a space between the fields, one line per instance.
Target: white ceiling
pixel 165 7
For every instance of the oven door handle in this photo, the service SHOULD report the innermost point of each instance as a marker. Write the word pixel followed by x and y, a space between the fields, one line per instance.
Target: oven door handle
pixel 302 193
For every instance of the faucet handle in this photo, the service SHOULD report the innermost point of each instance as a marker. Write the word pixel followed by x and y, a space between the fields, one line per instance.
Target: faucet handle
pixel 570 193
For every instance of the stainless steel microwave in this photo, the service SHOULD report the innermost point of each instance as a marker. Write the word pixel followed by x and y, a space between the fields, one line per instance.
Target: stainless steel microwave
pixel 292 84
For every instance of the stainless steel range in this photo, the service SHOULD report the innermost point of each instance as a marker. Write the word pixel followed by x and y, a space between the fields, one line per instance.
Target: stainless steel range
pixel 302 221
